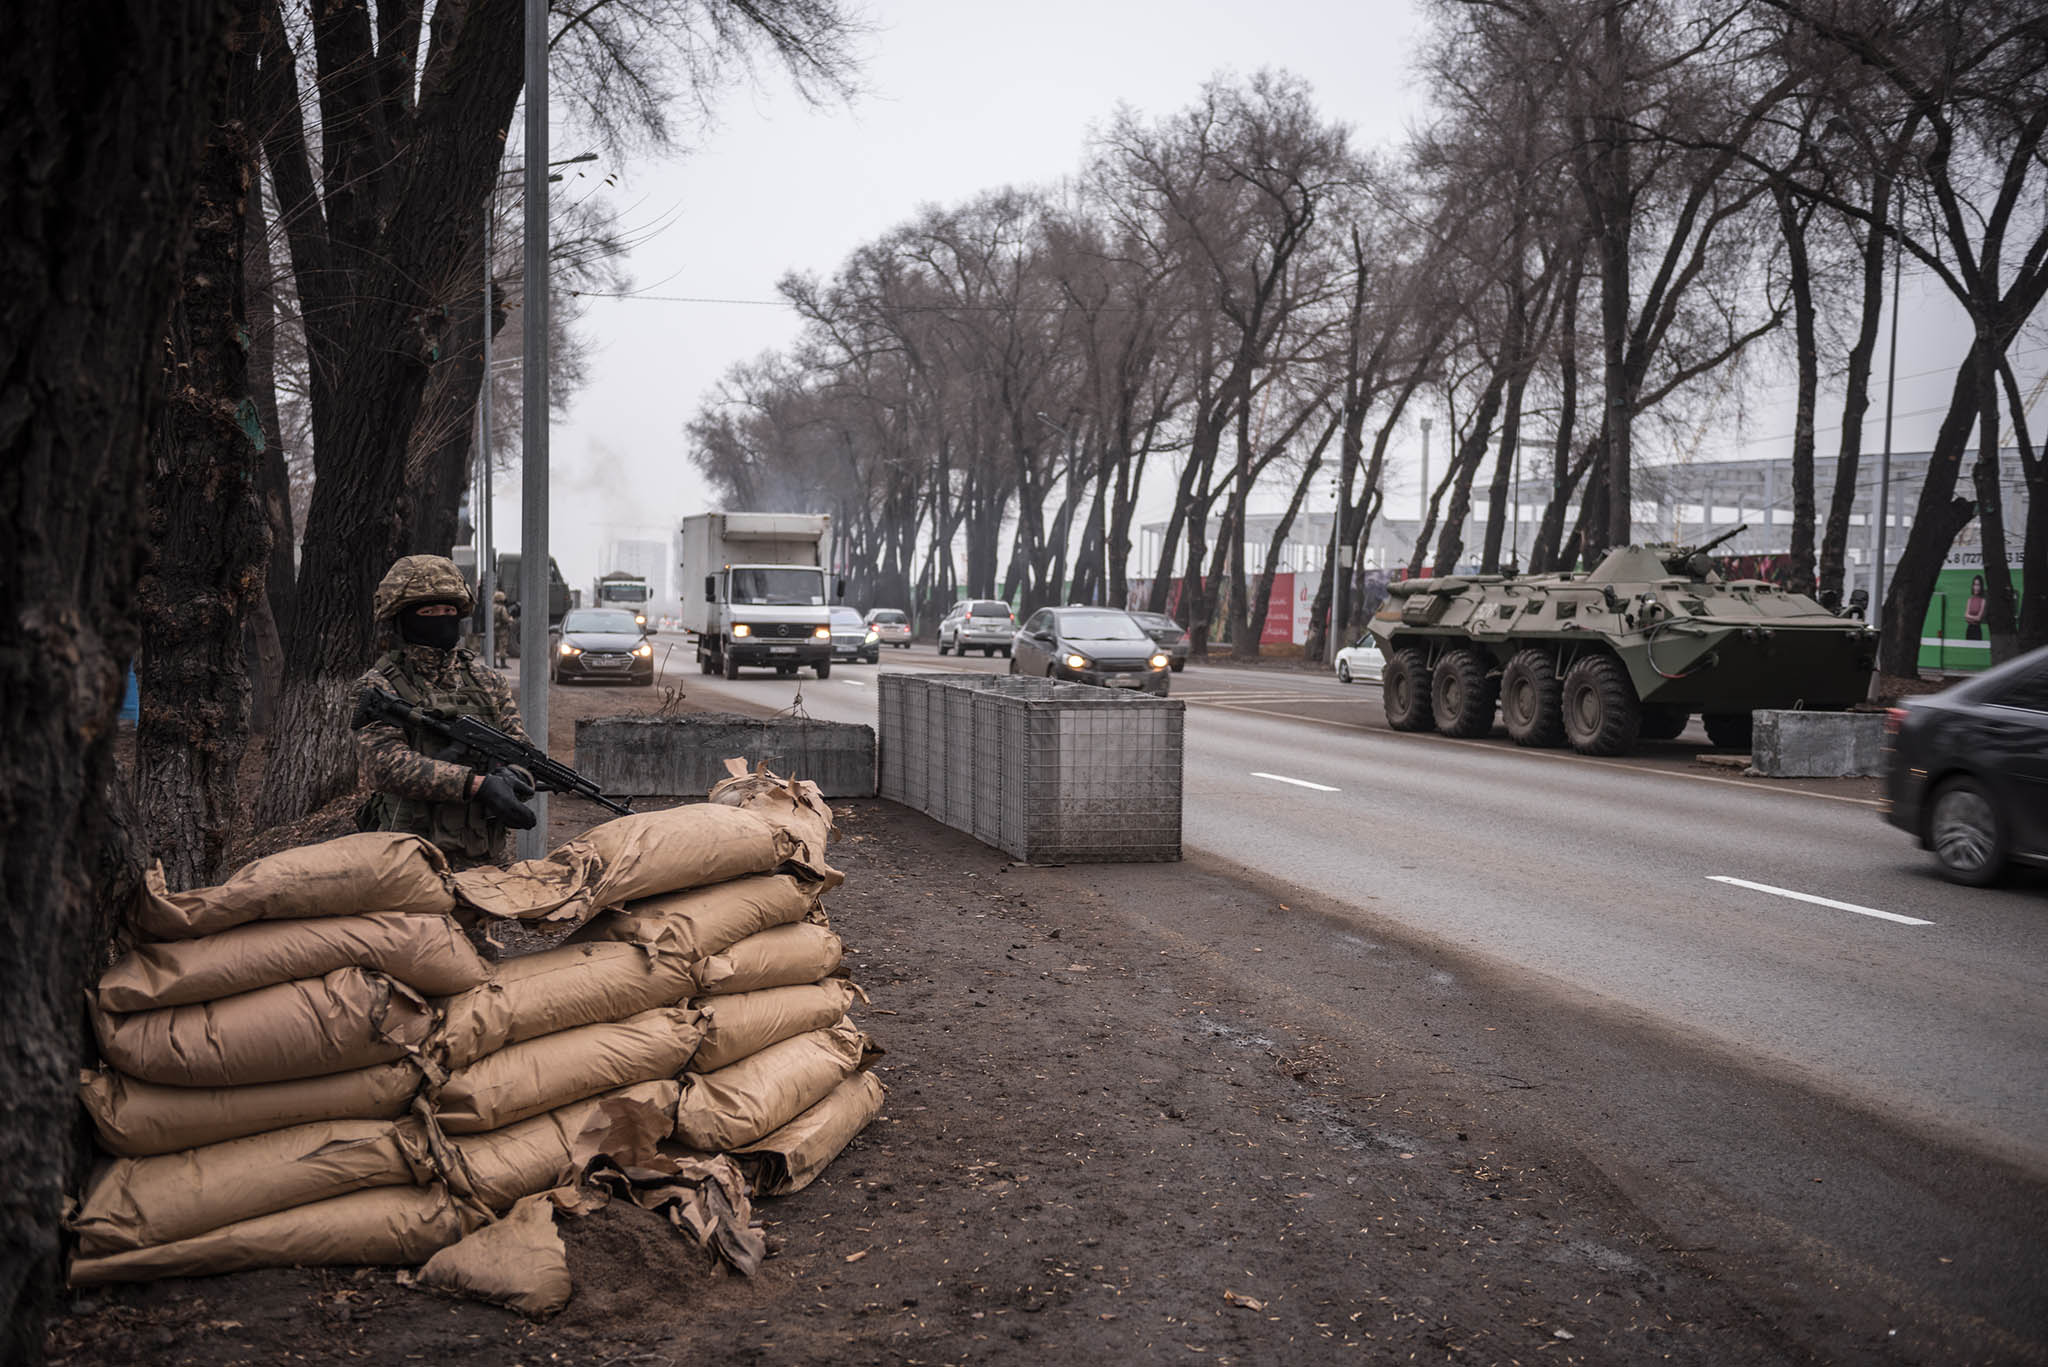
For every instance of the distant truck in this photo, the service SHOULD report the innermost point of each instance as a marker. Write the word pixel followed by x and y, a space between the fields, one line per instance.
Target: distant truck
pixel 756 591
pixel 621 590
pixel 559 597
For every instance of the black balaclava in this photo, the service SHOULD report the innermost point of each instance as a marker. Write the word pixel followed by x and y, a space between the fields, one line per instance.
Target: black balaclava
pixel 442 633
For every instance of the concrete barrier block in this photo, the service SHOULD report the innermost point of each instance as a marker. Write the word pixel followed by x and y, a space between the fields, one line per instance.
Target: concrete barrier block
pixel 1817 744
pixel 684 756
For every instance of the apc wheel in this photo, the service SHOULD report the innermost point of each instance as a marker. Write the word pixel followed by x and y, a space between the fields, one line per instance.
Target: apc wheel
pixel 824 669
pixel 1532 700
pixel 1964 832
pixel 1601 714
pixel 1461 697
pixel 1343 671
pixel 1729 730
pixel 1404 689
pixel 1664 721
pixel 728 665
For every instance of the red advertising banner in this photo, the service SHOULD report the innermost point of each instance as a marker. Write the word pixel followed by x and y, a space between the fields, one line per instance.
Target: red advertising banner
pixel 1279 612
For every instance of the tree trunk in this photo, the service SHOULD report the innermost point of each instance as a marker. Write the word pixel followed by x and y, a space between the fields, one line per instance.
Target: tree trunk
pixel 2001 611
pixel 1937 517
pixel 265 631
pixel 210 535
pixel 1543 553
pixel 2033 623
pixel 103 109
pixel 1834 541
pixel 1500 496
pixel 1451 539
pixel 1793 228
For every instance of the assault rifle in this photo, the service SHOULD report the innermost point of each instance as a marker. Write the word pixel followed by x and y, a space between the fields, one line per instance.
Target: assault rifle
pixel 486 741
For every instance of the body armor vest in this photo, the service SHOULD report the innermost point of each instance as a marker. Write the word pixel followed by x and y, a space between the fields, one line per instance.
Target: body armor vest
pixel 460 828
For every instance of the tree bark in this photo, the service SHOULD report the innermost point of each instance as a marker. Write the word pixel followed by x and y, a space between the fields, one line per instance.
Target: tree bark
pixel 1834 541
pixel 103 108
pixel 1792 225
pixel 210 536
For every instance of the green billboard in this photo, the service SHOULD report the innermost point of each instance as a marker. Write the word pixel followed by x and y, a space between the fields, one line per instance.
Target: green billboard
pixel 1953 639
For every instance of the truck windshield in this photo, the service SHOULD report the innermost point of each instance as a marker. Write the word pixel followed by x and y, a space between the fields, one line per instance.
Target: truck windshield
pixel 779 587
pixel 622 593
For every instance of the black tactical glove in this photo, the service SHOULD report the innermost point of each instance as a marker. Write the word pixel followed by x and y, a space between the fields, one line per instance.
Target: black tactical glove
pixel 500 795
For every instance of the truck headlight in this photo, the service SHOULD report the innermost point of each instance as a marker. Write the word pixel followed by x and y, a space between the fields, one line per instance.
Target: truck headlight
pixel 742 629
pixel 821 633
pixel 1077 662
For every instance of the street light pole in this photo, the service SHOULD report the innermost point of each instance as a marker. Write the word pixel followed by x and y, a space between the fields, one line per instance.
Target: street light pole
pixel 486 556
pixel 534 658
pixel 1422 498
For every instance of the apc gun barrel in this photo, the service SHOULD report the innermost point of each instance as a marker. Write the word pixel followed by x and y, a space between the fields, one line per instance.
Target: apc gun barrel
pixel 1737 530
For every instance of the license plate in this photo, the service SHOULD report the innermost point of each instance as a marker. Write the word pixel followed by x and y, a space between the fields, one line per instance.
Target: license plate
pixel 782 650
pixel 606 663
pixel 1126 681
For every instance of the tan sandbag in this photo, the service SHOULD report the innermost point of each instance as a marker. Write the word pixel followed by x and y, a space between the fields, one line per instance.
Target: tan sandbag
pixel 748 1022
pixel 351 1018
pixel 753 1098
pixel 373 871
pixel 137 1202
pixel 691 846
pixel 137 1118
pixel 542 1074
pixel 791 1159
pixel 774 958
pixel 704 921
pixel 556 989
pixel 796 805
pixel 383 1225
pixel 546 889
pixel 426 951
pixel 518 1262
pixel 501 1166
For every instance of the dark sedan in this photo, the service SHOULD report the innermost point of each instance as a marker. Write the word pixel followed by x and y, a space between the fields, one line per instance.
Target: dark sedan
pixel 1090 645
pixel 1967 771
pixel 1169 635
pixel 602 643
pixel 852 638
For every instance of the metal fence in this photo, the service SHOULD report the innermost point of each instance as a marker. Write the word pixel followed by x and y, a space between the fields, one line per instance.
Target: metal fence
pixel 1050 773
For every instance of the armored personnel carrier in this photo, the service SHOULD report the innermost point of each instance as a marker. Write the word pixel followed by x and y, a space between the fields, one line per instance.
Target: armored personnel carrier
pixel 1628 650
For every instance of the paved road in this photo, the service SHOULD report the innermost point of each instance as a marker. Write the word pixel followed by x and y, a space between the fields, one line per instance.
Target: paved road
pixel 1650 885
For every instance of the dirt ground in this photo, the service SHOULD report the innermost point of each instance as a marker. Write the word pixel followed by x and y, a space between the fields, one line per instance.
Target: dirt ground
pixel 1118 1126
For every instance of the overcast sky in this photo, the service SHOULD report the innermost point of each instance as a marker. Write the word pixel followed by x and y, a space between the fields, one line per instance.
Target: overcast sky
pixel 962 97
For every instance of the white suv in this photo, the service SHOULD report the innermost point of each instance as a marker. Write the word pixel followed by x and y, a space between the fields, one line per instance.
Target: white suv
pixel 983 622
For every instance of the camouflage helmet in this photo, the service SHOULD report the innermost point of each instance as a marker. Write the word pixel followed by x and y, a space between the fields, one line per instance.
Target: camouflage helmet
pixel 498 597
pixel 416 579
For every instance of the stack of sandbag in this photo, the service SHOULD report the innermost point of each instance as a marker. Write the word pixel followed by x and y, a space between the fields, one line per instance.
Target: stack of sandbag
pixel 263 1045
pixel 776 1079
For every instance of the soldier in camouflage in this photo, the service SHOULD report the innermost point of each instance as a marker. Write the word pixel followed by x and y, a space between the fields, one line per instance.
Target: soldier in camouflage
pixel 423 783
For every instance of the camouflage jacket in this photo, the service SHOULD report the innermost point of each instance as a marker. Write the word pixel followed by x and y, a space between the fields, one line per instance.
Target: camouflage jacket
pixel 389 763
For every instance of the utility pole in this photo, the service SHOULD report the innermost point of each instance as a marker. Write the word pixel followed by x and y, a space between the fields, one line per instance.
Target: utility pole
pixel 486 555
pixel 534 658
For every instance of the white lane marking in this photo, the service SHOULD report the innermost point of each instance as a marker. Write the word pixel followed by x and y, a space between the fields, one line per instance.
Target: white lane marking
pixel 1297 782
pixel 1551 755
pixel 1819 901
pixel 858 684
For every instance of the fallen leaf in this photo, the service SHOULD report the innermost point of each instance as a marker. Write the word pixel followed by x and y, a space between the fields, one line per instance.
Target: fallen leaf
pixel 1562 1334
pixel 856 1257
pixel 1244 1302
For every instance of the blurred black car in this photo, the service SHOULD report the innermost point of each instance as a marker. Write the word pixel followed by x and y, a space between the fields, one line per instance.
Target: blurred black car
pixel 602 643
pixel 1169 635
pixel 1967 771
pixel 1090 645
pixel 853 638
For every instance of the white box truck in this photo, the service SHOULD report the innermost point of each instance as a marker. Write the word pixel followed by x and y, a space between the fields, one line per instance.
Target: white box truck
pixel 756 591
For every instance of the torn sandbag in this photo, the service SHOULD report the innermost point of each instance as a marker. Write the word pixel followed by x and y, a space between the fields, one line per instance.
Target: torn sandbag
pixel 350 1018
pixel 796 805
pixel 751 1099
pixel 554 990
pixel 136 1118
pixel 499 1167
pixel 427 951
pixel 518 1262
pixel 542 1074
pixel 382 1225
pixel 748 1022
pixel 703 1195
pixel 781 957
pixel 792 1157
pixel 703 921
pixel 371 871
pixel 546 889
pixel 136 1202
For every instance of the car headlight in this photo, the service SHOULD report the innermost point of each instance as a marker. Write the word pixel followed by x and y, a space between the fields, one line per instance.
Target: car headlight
pixel 644 651
pixel 822 634
pixel 1077 662
pixel 1160 662
pixel 742 629
pixel 568 649
pixel 872 638
pixel 639 619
